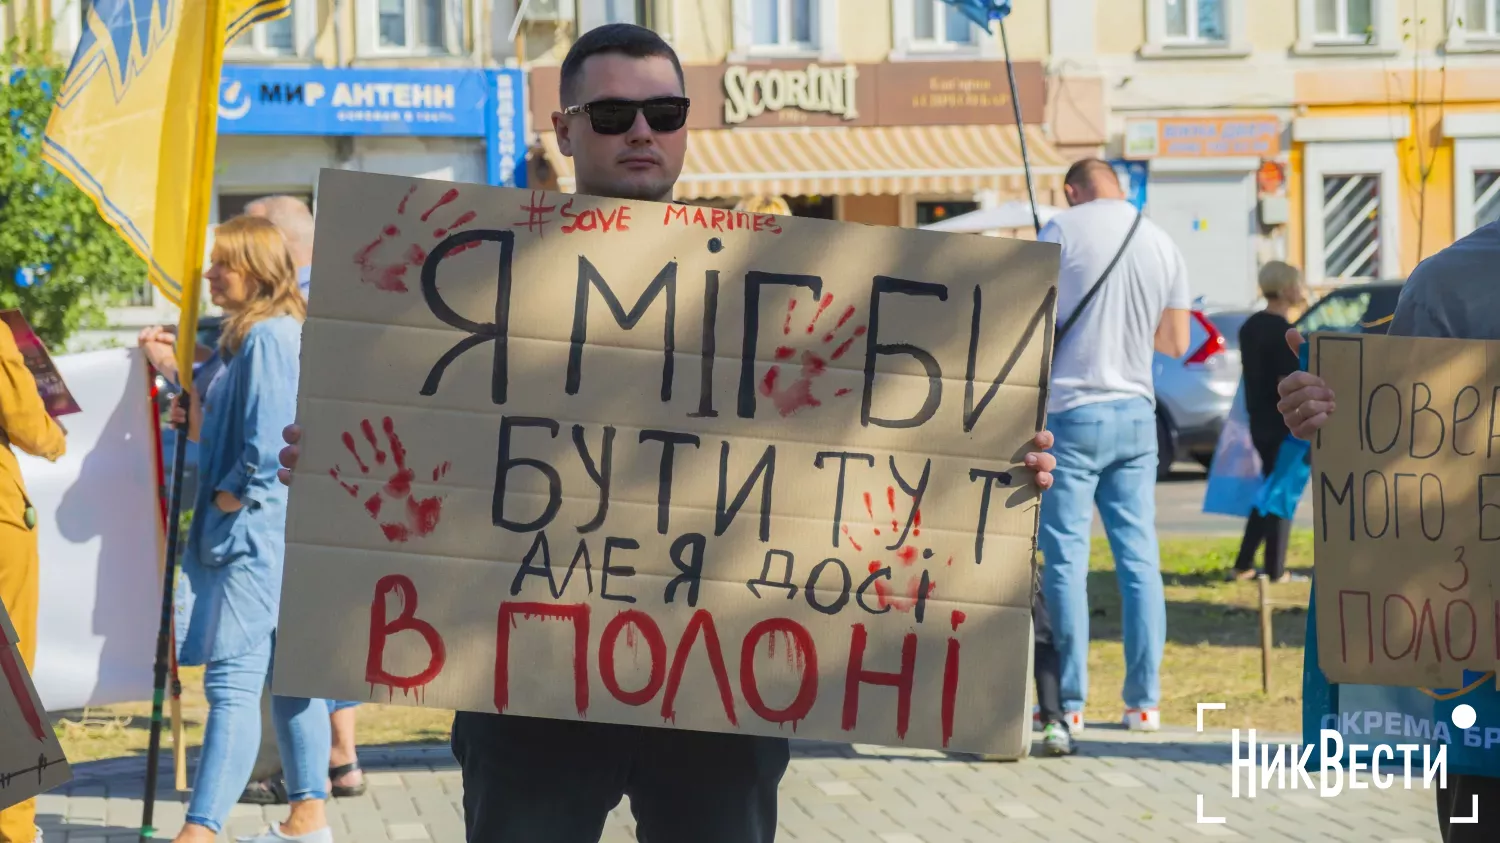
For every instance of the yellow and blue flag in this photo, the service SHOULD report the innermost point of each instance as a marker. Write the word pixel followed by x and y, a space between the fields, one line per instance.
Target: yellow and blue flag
pixel 134 127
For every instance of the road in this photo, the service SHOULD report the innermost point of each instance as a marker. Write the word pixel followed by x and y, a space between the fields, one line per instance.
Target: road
pixel 1179 507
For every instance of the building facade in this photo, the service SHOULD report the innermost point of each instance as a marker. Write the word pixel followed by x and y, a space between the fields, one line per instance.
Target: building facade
pixel 890 112
pixel 1349 137
pixel 404 87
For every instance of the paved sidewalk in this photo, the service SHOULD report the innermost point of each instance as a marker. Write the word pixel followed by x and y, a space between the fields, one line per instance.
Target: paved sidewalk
pixel 1120 787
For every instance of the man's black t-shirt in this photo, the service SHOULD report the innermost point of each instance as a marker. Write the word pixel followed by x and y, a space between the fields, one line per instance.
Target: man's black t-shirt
pixel 1266 359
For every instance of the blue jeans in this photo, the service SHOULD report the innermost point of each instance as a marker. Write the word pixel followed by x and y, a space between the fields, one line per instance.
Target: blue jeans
pixel 232 737
pixel 1106 455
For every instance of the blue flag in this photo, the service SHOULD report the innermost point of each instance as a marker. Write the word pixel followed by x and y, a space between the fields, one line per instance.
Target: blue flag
pixel 982 11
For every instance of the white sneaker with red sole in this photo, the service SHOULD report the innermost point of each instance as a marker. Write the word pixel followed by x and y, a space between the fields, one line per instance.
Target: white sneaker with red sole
pixel 1143 719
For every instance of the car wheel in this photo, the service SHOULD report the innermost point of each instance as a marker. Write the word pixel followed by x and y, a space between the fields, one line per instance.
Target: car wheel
pixel 1166 451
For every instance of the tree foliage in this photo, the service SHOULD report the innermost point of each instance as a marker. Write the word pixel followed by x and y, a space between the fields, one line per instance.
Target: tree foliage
pixel 60 262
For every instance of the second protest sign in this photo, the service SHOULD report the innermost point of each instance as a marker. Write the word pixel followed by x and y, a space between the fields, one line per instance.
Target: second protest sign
pixel 1406 493
pixel 656 464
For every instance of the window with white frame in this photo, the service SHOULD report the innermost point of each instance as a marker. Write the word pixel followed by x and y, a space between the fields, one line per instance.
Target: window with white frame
pixel 592 13
pixel 1344 21
pixel 1476 176
pixel 1480 18
pixel 1351 195
pixel 406 27
pixel 1351 225
pixel 784 24
pixel 1486 197
pixel 273 38
pixel 938 25
pixel 1194 21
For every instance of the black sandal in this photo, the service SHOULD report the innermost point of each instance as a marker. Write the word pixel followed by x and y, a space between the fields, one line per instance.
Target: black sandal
pixel 341 792
pixel 265 792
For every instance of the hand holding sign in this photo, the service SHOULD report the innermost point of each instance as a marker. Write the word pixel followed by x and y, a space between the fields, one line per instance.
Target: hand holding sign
pixel 1406 492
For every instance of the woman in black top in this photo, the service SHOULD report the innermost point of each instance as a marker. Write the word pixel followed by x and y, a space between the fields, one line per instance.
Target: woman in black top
pixel 1266 360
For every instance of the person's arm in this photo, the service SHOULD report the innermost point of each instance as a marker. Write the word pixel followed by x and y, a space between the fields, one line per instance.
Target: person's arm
pixel 268 399
pixel 1174 332
pixel 159 345
pixel 23 415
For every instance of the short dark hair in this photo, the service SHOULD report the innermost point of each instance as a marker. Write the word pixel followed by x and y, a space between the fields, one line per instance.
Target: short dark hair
pixel 1082 172
pixel 626 39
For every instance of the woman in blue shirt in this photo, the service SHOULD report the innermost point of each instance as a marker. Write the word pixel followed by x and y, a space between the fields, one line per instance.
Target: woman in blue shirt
pixel 236 544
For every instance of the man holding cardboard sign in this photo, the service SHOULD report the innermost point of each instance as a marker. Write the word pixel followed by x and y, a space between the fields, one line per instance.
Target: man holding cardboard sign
pixel 731 497
pixel 1398 609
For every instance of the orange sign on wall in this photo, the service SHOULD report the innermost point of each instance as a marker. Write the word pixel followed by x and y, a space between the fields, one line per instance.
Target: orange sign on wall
pixel 1203 137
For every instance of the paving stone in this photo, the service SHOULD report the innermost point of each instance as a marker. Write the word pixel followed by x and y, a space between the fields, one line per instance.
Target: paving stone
pixel 1122 789
pixel 408 831
pixel 838 788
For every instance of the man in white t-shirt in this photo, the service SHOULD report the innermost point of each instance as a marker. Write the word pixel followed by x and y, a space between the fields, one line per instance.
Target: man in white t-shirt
pixel 1102 411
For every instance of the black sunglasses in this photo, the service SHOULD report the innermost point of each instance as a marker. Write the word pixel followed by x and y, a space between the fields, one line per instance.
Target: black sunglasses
pixel 615 117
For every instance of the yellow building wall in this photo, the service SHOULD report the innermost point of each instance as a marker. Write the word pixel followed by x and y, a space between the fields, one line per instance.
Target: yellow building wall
pixel 1119 26
pixel 1425 157
pixel 1026 29
pixel 1273 25
pixel 865 30
pixel 702 32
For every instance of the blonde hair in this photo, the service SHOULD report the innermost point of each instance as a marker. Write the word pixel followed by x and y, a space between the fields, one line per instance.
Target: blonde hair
pixel 764 205
pixel 1278 278
pixel 256 248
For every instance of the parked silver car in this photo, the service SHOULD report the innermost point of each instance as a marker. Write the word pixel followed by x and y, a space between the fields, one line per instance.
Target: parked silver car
pixel 1195 391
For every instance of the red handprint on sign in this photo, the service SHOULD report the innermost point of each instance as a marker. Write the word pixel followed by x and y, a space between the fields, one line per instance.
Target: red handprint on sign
pixel 904 586
pixel 788 395
pixel 414 518
pixel 384 262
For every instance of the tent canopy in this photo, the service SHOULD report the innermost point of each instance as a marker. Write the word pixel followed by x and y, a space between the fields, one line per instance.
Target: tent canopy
pixel 1005 215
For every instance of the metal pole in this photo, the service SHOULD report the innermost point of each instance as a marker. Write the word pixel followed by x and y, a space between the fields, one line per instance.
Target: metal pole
pixel 164 631
pixel 1015 102
pixel 1266 640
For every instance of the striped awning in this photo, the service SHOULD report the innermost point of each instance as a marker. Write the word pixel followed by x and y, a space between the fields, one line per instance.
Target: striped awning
pixel 855 161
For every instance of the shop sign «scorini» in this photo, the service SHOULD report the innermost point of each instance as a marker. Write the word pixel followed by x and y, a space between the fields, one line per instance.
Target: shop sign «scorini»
pixel 750 93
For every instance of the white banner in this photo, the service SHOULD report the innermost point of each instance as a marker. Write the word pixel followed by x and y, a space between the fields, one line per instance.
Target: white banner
pixel 98 527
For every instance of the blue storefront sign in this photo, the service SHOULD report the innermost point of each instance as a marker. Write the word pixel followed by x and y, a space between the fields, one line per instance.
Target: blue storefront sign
pixel 1133 176
pixel 489 104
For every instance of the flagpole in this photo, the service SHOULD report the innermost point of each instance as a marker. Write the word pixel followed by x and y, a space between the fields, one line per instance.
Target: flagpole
pixel 197 231
pixel 1015 102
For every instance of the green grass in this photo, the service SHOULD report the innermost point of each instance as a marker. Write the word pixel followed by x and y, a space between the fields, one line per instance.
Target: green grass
pixel 1213 637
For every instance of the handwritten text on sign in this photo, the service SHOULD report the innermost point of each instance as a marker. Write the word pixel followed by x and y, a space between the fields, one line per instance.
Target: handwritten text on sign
pixel 666 465
pixel 1406 491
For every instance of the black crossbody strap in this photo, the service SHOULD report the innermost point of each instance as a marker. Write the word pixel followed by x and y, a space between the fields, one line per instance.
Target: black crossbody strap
pixel 1093 291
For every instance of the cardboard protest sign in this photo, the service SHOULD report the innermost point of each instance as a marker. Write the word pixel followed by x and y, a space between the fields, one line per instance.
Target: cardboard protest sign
pixel 31 760
pixel 664 465
pixel 55 395
pixel 1406 497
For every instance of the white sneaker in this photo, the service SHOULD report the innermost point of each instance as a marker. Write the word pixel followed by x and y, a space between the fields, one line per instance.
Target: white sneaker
pixel 1143 719
pixel 1074 719
pixel 273 834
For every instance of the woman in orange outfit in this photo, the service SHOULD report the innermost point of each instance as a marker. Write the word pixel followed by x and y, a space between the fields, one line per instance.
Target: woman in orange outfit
pixel 24 423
